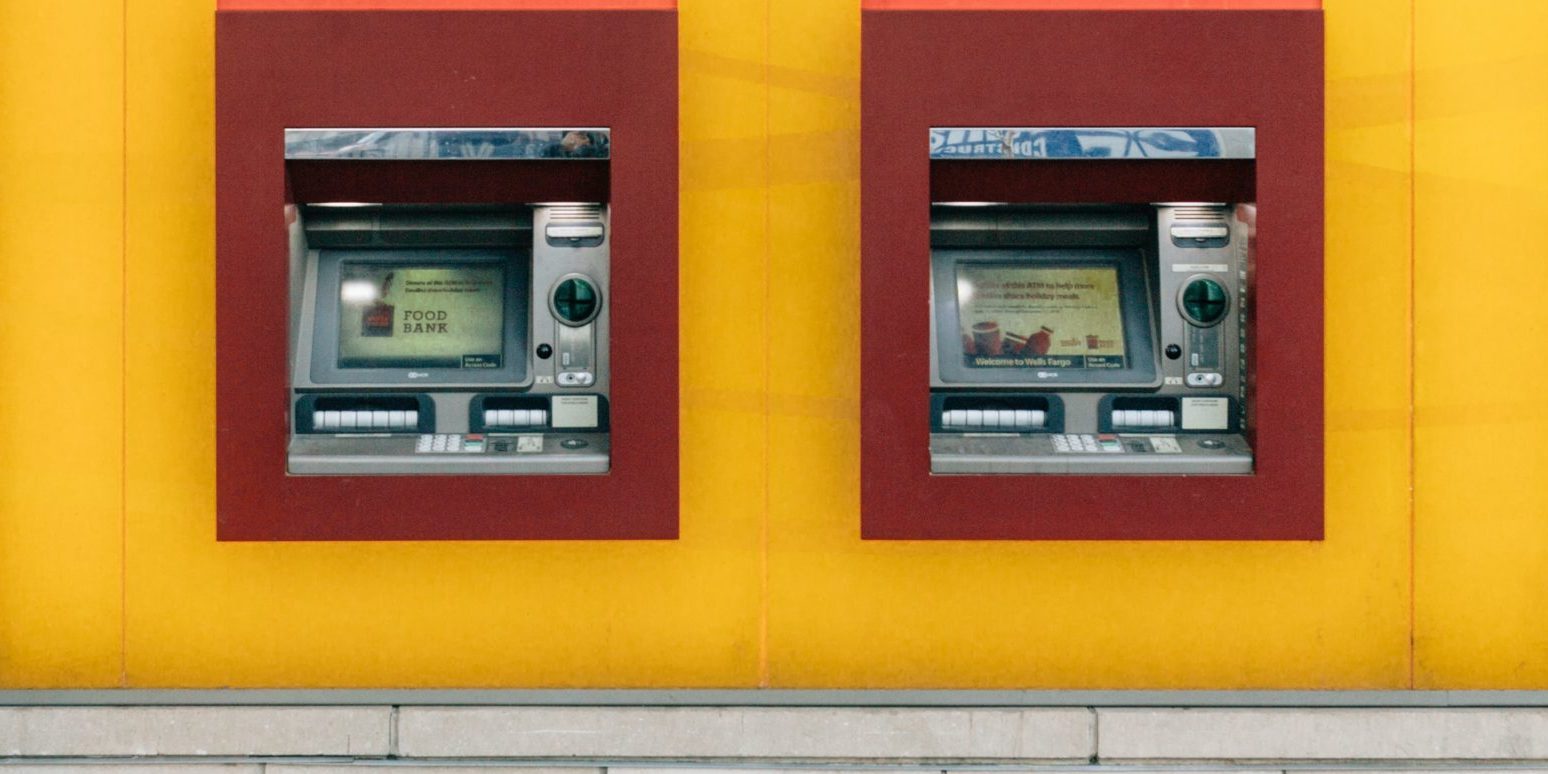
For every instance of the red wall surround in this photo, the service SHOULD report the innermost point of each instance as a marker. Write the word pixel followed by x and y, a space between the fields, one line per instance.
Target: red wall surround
pixel 1091 68
pixel 277 69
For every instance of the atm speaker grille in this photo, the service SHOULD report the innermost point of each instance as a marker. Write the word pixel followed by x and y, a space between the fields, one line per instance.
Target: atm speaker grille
pixel 1200 213
pixel 586 212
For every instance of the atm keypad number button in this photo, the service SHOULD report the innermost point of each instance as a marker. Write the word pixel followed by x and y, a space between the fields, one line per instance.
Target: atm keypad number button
pixel 449 443
pixel 1205 379
pixel 1086 444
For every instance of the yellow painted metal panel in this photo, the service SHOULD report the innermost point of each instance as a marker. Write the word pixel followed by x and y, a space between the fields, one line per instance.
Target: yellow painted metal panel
pixel 770 436
pixel 61 256
pixel 662 613
pixel 1481 269
pixel 843 612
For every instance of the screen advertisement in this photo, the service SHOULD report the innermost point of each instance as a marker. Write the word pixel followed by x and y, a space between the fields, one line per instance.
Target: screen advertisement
pixel 1020 316
pixel 421 316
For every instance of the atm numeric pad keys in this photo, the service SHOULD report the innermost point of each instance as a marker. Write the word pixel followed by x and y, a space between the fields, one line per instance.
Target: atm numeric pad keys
pixel 1086 444
pixel 449 443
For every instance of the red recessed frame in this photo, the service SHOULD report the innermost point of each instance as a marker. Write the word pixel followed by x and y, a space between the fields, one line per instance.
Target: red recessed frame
pixel 1083 5
pixel 943 68
pixel 610 64
pixel 447 5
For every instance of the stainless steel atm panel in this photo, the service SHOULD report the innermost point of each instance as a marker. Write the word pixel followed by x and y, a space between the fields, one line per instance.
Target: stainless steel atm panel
pixel 1089 339
pixel 450 339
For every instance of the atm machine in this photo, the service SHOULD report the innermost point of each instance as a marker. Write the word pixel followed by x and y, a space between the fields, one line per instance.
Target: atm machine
pixel 1091 339
pixel 449 339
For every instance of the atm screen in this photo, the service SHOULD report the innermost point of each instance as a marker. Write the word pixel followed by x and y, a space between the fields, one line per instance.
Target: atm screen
pixel 1040 316
pixel 421 315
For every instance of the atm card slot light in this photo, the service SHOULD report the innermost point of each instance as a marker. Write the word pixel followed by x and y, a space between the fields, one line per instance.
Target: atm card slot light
pixel 359 421
pixel 994 419
pixel 515 418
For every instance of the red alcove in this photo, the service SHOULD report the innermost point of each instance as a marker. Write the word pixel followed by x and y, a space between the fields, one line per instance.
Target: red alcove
pixel 1052 68
pixel 509 63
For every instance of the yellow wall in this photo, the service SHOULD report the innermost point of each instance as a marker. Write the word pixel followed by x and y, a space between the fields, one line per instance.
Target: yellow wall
pixel 110 575
pixel 1481 558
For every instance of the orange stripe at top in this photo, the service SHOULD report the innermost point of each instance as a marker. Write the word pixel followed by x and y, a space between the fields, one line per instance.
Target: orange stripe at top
pixel 1089 5
pixel 446 5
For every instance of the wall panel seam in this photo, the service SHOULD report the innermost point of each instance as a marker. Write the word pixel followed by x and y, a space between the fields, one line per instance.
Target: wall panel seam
pixel 123 356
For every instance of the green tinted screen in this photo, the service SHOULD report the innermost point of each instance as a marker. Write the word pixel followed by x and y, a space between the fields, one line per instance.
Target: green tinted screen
pixel 421 316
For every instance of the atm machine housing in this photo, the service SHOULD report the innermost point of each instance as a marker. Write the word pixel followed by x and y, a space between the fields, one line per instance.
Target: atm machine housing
pixel 537 406
pixel 483 70
pixel 1179 403
pixel 923 70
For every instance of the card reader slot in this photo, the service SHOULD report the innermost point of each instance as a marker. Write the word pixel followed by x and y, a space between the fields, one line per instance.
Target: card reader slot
pixel 364 413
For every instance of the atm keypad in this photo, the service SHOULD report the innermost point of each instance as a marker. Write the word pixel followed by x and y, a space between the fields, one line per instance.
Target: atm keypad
pixel 1086 444
pixel 449 443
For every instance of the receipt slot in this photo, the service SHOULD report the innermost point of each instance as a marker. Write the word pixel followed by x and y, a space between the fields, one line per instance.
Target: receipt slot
pixel 446 338
pixel 446 294
pixel 1117 327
